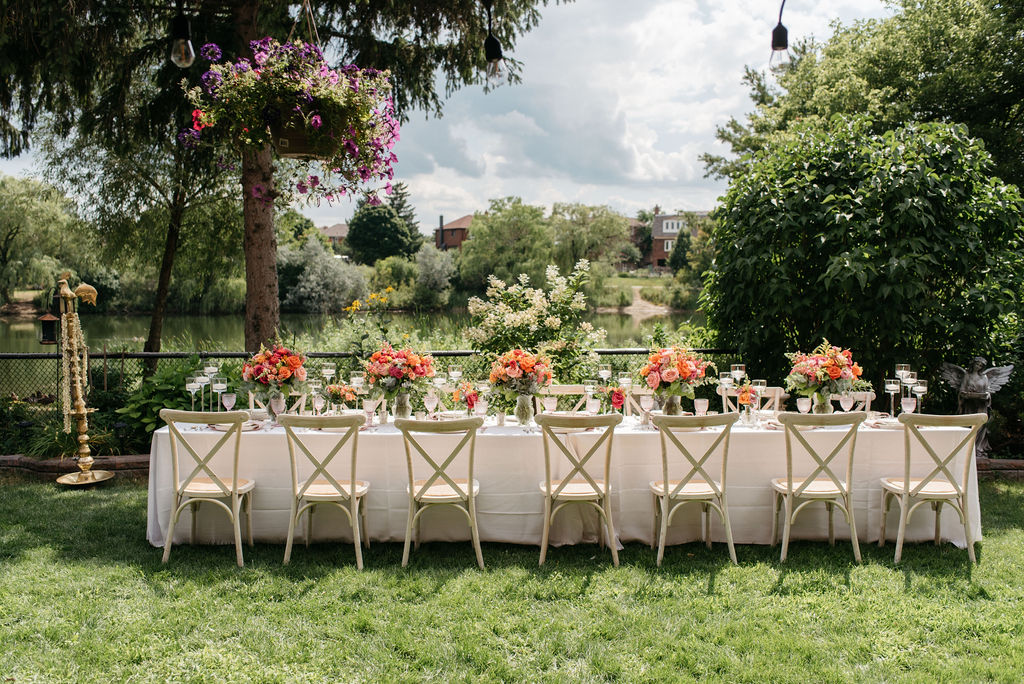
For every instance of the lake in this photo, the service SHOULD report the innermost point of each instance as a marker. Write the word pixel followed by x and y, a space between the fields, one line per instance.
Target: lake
pixel 226 333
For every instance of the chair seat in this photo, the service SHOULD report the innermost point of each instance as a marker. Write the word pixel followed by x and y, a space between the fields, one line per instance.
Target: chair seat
pixel 694 489
pixel 323 490
pixel 822 488
pixel 442 492
pixel 936 488
pixel 205 487
pixel 575 490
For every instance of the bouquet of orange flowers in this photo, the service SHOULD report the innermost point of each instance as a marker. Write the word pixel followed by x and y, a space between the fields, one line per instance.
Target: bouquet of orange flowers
pixel 612 397
pixel 825 371
pixel 393 372
pixel 520 372
pixel 465 394
pixel 341 394
pixel 275 370
pixel 675 371
pixel 746 395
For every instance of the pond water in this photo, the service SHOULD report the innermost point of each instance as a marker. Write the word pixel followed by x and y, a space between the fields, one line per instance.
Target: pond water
pixel 226 333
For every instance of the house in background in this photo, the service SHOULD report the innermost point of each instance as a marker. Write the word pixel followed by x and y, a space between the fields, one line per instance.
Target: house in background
pixel 452 235
pixel 336 234
pixel 665 231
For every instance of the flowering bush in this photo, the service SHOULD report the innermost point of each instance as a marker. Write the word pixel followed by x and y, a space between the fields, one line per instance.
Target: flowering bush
pixel 465 395
pixel 827 370
pixel 347 113
pixel 517 316
pixel 277 370
pixel 341 394
pixel 392 372
pixel 675 371
pixel 520 372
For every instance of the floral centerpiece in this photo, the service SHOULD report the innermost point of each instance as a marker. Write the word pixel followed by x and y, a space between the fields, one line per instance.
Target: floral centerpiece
pixel 612 398
pixel 272 374
pixel 825 371
pixel 394 374
pixel 673 373
pixel 520 373
pixel 465 394
pixel 341 394
pixel 288 96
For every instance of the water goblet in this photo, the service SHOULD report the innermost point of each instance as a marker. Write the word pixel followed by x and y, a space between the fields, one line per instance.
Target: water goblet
pixel 604 371
pixel 480 407
pixel 191 385
pixel 369 408
pixel 455 373
pixel 908 404
pixel 318 403
pixel 892 387
pixel 737 370
pixel 803 404
pixel 920 389
pixel 550 404
pixel 646 404
pixel 328 370
pixel 700 407
pixel 846 401
pixel 430 402
pixel 593 405
pixel 228 399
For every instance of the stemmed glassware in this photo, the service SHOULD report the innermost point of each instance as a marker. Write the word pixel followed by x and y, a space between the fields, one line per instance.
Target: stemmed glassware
pixel 430 402
pixel 318 402
pixel 191 385
pixel 220 385
pixel 892 387
pixel 737 371
pixel 803 404
pixel 358 380
pixel 908 404
pixel 646 404
pixel 846 401
pixel 549 403
pixel 589 387
pixel 909 380
pixel 604 371
pixel 228 399
pixel 759 387
pixel 625 382
pixel 203 381
pixel 328 370
pixel 920 389
pixel 454 372
pixel 210 370
pixel 369 408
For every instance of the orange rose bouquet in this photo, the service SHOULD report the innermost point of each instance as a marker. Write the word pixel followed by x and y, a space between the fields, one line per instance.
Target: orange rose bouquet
pixel 825 371
pixel 393 372
pixel 520 372
pixel 277 370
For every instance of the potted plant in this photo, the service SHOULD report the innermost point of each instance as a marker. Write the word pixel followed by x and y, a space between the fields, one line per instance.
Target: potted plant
pixel 287 96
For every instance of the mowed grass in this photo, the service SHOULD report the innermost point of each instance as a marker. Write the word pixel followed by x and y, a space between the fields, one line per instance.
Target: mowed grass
pixel 83 597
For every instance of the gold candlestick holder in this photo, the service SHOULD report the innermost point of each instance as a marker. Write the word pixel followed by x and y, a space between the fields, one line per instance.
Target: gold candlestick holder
pixel 75 358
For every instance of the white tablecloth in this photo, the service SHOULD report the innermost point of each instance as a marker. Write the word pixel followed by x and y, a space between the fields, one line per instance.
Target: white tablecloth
pixel 510 463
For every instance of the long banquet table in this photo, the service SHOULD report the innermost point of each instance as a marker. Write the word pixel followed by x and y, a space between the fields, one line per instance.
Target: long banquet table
pixel 510 463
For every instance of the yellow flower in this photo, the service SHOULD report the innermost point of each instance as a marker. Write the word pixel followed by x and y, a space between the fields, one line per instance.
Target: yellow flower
pixel 389 289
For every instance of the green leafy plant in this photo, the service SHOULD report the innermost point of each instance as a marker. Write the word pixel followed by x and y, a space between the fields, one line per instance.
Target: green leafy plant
pixel 164 389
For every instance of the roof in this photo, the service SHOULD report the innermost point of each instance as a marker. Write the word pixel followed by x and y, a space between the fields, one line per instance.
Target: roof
pixel 657 226
pixel 459 222
pixel 338 230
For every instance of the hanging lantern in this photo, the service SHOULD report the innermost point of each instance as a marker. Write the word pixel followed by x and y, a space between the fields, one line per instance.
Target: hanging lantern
pixel 48 328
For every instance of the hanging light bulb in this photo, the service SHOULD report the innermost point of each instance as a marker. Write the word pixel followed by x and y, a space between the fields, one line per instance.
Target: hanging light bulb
pixel 780 44
pixel 182 52
pixel 495 71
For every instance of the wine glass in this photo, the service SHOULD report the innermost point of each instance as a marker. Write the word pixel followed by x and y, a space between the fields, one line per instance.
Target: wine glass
pixel 908 404
pixel 920 389
pixel 191 385
pixel 220 385
pixel 228 399
pixel 846 401
pixel 549 403
pixel 480 407
pixel 430 402
pixel 737 370
pixel 318 403
pixel 892 386
pixel 700 407
pixel 604 371
pixel 203 381
pixel 328 370
pixel 369 408
pixel 803 404
pixel 646 404
pixel 455 373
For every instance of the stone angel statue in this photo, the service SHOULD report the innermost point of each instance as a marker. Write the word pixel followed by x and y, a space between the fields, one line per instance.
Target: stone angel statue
pixel 975 388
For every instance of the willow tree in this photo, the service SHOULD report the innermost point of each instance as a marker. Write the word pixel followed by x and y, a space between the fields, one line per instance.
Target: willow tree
pixel 82 65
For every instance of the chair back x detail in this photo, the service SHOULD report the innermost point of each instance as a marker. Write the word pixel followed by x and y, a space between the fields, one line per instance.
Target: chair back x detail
pixel 296 444
pixel 773 399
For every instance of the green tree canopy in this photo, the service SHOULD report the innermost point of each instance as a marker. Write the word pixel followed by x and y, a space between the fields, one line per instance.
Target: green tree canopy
pixel 887 243
pixel 508 239
pixel 377 232
pixel 584 232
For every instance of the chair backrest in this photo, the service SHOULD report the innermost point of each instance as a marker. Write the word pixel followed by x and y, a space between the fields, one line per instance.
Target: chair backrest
pixel 668 425
pixel 467 427
pixel 632 404
pixel 549 423
pixel 198 464
pixel 862 400
pixel 298 405
pixel 772 399
pixel 350 424
pixel 913 423
pixel 563 391
pixel 794 421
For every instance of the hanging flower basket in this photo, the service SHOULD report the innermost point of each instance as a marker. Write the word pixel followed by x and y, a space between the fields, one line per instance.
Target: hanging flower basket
pixel 287 96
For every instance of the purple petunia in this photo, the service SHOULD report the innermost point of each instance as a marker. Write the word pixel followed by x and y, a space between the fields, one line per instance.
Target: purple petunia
pixel 211 52
pixel 211 79
pixel 316 122
pixel 188 138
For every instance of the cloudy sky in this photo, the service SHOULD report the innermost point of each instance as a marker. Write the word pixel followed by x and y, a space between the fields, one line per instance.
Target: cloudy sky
pixel 618 100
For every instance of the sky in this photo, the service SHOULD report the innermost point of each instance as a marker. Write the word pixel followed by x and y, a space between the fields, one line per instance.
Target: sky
pixel 618 100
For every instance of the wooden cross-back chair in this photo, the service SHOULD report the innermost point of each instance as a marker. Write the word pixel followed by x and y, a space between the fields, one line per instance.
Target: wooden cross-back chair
pixel 579 486
pixel 440 488
pixel 203 483
pixel 796 493
pixel 321 487
pixel 562 391
pixel 861 400
pixel 773 399
pixel 298 403
pixel 696 485
pixel 939 486
pixel 632 404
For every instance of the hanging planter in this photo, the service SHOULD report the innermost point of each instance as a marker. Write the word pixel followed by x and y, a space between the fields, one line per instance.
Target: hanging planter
pixel 287 97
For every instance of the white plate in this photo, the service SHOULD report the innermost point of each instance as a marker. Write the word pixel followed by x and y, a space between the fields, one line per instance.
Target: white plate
pixel 885 425
pixel 247 426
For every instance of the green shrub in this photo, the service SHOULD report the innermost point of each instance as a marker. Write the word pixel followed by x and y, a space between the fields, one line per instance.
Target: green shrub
pixel 164 389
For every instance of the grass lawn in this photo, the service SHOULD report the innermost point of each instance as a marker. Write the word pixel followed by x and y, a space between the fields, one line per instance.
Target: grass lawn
pixel 83 597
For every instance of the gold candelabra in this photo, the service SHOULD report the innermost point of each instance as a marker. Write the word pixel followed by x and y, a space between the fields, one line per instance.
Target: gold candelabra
pixel 75 356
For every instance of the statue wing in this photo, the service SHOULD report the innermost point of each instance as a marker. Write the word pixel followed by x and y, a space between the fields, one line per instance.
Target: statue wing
pixel 953 375
pixel 997 377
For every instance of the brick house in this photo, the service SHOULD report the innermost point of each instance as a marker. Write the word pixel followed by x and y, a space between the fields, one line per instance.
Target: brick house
pixel 336 234
pixel 665 231
pixel 452 235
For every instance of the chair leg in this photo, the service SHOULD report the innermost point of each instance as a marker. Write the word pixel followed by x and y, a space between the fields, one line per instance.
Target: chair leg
pixel 967 531
pixel 291 532
pixel 416 534
pixel 193 512
pixel 169 534
pixel 728 529
pixel 886 501
pixel 848 502
pixel 366 535
pixel 707 526
pixel 663 532
pixel 654 520
pixel 611 529
pixel 831 523
pixel 236 522
pixel 937 505
pixel 248 516
pixel 904 505
pixel 476 534
pixel 408 532
pixel 787 523
pixel 775 517
pixel 309 524
pixel 547 530
pixel 354 503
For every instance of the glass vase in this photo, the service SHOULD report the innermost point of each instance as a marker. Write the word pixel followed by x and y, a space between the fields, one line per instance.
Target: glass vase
pixel 524 409
pixel 822 403
pixel 672 405
pixel 402 407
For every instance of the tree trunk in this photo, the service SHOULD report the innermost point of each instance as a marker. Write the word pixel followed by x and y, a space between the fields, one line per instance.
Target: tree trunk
pixel 156 321
pixel 262 309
